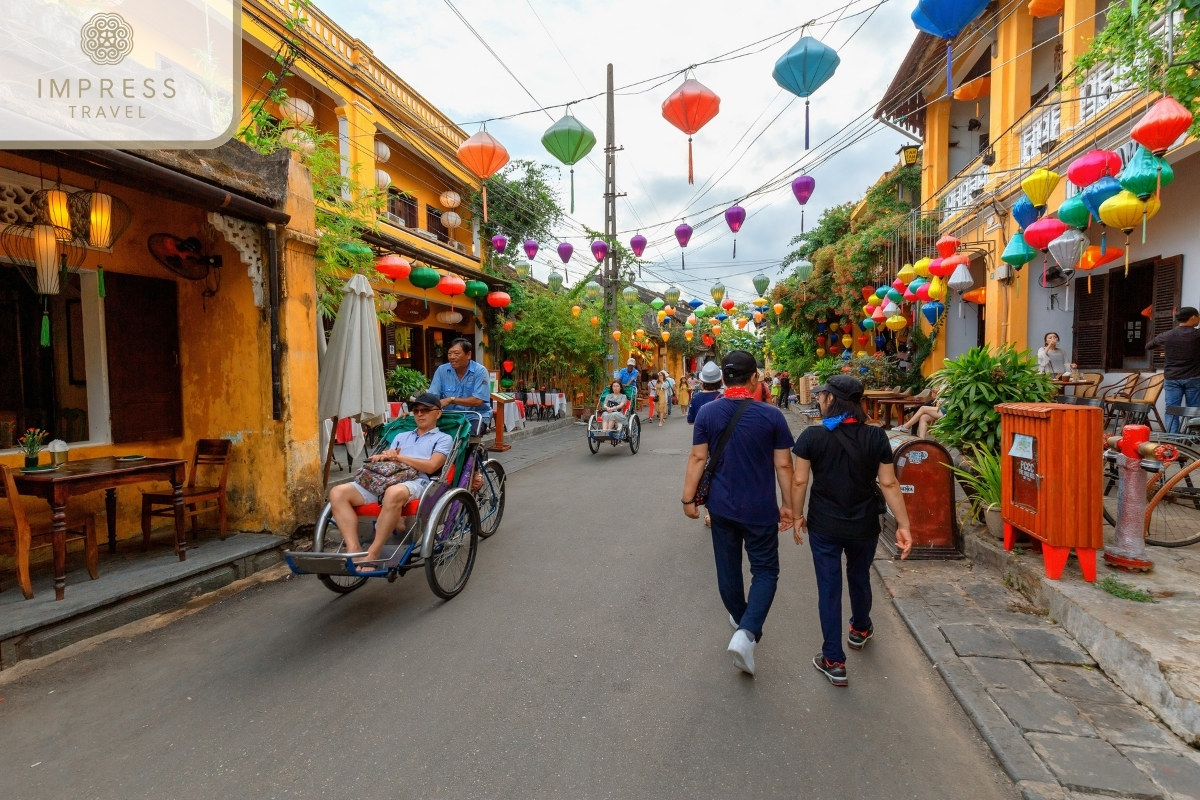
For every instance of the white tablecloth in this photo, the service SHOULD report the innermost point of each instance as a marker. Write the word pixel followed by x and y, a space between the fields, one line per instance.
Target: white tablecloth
pixel 560 403
pixel 512 417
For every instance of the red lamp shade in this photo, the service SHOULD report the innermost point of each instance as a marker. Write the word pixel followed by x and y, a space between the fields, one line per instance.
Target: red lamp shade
pixel 451 285
pixel 708 340
pixel 1040 234
pixel 728 304
pixel 508 366
pixel 1092 166
pixel 867 291
pixel 393 266
pixel 1165 122
pixel 498 299
pixel 947 246
pixel 689 108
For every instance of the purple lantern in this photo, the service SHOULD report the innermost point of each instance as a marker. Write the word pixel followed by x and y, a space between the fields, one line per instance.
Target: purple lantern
pixel 683 234
pixel 499 241
pixel 564 251
pixel 803 187
pixel 734 217
pixel 599 249
pixel 531 248
pixel 638 245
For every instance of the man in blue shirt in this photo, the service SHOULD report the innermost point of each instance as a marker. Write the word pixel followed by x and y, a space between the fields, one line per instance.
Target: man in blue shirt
pixel 629 377
pixel 741 498
pixel 462 384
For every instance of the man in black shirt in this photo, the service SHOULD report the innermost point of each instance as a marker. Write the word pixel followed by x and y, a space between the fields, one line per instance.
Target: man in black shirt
pixel 1181 346
pixel 851 467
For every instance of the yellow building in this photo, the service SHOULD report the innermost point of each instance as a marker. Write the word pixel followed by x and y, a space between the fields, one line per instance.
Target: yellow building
pixel 1031 111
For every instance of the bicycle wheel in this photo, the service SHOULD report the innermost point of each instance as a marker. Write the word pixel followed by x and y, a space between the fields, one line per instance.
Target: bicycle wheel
pixel 455 537
pixel 635 434
pixel 490 498
pixel 1187 456
pixel 328 539
pixel 593 443
pixel 1173 514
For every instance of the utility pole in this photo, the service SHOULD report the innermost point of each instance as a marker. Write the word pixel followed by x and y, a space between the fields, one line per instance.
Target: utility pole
pixel 611 266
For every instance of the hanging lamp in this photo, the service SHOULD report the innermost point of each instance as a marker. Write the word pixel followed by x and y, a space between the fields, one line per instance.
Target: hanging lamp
pixel 690 108
pixel 803 69
pixel 569 140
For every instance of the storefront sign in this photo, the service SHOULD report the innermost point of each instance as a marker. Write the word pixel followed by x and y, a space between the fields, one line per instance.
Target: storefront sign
pixel 119 73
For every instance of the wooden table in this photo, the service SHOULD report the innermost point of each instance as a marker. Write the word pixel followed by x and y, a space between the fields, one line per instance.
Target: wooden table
pixel 900 404
pixel 872 398
pixel 88 475
pixel 1063 383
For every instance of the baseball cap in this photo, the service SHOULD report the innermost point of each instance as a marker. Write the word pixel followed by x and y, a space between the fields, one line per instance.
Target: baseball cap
pixel 710 372
pixel 842 387
pixel 428 399
pixel 737 366
pixel 631 361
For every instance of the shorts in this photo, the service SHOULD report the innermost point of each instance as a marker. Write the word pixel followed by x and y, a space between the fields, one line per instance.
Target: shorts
pixel 415 489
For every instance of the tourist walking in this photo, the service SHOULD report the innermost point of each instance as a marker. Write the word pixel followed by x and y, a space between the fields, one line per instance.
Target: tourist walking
pixel 785 389
pixel 1181 346
pixel 685 392
pixel 850 466
pixel 663 398
pixel 748 443
pixel 710 389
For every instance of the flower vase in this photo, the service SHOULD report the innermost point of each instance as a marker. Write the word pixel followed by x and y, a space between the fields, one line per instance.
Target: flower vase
pixel 31 462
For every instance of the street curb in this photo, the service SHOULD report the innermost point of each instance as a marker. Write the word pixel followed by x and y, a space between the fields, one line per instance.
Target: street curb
pixel 919 623
pixel 525 433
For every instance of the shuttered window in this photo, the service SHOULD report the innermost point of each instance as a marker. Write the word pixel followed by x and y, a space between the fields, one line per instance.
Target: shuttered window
pixel 1090 333
pixel 1120 313
pixel 433 224
pixel 1168 278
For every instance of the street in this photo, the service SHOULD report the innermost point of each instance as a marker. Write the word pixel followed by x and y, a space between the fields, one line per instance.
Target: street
pixel 585 658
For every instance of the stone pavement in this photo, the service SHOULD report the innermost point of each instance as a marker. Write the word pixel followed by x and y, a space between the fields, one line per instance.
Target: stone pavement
pixel 1060 728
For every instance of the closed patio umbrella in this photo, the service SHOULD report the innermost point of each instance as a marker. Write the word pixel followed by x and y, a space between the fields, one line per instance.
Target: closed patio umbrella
pixel 351 375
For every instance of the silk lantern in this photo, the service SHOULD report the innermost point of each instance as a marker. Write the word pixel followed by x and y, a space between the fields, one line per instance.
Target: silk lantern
pixel 638 245
pixel 803 187
pixel 1073 212
pixel 508 366
pixel 960 280
pixel 803 69
pixel 1092 166
pixel 890 309
pixel 1165 122
pixel 1095 196
pixel 921 267
pixel 867 291
pixel 476 290
pixel 569 140
pixel 508 325
pixel 393 266
pixel 522 269
pixel 616 335
pixel 977 296
pixel 906 274
pixel 451 286
pixel 1024 213
pixel 946 19
pixel 575 311
pixel 867 324
pixel 630 293
pixel 1124 210
pixel 690 108
pixel 933 311
pixel 554 281
pixel 1017 253
pixel 1093 257
pixel 666 335
pixel 728 304
pixel 565 250
pixel 591 291
pixel 1038 186
pixel 499 242
pixel 683 235
pixel 484 156
pixel 1045 230
pixel 734 217
pixel 896 323
pixel 531 248
pixel 694 303
pixel 1045 8
pixel 688 334
pixel 777 308
pixel 717 291
pixel 1068 249
pixel 424 278
pixel 498 299
pixel 947 246
pixel 595 321
pixel 599 250
pixel 1146 174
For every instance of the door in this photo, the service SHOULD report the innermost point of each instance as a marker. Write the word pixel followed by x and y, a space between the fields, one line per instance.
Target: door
pixel 1090 334
pixel 141 320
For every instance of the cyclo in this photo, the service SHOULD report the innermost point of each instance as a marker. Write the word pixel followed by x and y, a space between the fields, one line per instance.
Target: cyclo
pixel 630 431
pixel 443 526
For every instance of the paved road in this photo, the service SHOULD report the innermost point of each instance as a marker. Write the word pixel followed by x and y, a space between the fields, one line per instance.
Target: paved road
pixel 585 659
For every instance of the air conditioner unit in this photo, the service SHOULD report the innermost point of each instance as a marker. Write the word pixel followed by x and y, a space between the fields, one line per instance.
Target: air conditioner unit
pixel 426 234
pixel 459 246
pixel 392 219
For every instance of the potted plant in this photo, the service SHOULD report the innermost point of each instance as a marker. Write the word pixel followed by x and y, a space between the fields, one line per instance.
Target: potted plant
pixel 31 444
pixel 402 383
pixel 972 385
pixel 980 478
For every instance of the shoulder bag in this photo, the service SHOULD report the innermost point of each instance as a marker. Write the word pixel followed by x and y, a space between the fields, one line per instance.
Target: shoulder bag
pixel 714 455
pixel 378 476
pixel 869 474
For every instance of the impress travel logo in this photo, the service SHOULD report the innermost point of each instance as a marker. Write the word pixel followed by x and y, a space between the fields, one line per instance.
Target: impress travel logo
pixel 119 73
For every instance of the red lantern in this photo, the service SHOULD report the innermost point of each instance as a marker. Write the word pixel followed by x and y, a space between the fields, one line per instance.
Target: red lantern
pixel 923 293
pixel 393 266
pixel 835 349
pixel 508 366
pixel 1092 166
pixel 708 340
pixel 1040 234
pixel 947 246
pixel 862 341
pixel 508 325
pixel 1165 122
pixel 689 108
pixel 821 341
pixel 498 299
pixel 451 285
pixel 728 304
pixel 948 265
pixel 867 291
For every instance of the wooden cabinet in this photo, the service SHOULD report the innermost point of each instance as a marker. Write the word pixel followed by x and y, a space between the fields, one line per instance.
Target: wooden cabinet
pixel 923 469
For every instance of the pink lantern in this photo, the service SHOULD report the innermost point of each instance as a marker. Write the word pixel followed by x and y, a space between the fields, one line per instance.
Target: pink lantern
pixel 499 242
pixel 923 293
pixel 565 249
pixel 734 217
pixel 683 235
pixel 531 249
pixel 638 245
pixel 1040 234
pixel 803 187
pixel 599 249
pixel 1092 166
pixel 899 285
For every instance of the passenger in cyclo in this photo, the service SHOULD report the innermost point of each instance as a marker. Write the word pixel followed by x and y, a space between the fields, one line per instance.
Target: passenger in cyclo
pixel 424 449
pixel 613 408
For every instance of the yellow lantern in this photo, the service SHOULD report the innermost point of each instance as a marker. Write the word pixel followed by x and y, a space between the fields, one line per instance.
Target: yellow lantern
pixel 1124 210
pixel 1039 184
pixel 689 334
pixel 666 336
pixel 896 322
pixel 616 336
pixel 820 352
pixel 639 334
pixel 575 310
pixel 595 321
pixel 921 268
pixel 661 315
pixel 937 289
pixel 716 330
pixel 45 258
pixel 873 299
pixel 847 340
pixel 760 301
pixel 861 353
pixel 56 209
pixel 778 308
pixel 907 273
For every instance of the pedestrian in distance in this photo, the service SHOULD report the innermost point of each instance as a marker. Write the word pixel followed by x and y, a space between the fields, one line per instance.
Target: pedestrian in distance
pixel 710 389
pixel 785 389
pixel 1181 346
pixel 850 466
pixel 740 452
pixel 662 400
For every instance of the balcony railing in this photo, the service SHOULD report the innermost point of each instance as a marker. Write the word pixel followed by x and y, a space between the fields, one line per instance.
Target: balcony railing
pixel 963 191
pixel 1037 135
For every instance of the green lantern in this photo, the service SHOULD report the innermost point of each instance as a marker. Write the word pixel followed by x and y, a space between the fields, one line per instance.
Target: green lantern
pixel 477 290
pixel 522 269
pixel 1017 253
pixel 630 293
pixel 1145 174
pixel 569 140
pixel 1073 212
pixel 506 383
pixel 424 278
pixel 657 303
pixel 718 292
pixel 761 283
pixel 671 295
pixel 804 271
pixel 554 281
pixel 592 290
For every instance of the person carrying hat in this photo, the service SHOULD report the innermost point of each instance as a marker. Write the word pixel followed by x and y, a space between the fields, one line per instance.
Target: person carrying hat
pixel 850 464
pixel 753 458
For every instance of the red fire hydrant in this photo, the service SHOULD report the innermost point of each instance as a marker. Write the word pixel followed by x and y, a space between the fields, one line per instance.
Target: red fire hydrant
pixel 1136 456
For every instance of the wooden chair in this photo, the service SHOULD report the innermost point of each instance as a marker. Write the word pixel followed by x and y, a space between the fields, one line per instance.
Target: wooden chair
pixel 1121 389
pixel 1147 391
pixel 197 500
pixel 1089 391
pixel 23 529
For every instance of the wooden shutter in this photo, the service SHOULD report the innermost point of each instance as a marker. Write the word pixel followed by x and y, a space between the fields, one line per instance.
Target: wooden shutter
pixel 409 207
pixel 1168 276
pixel 433 224
pixel 389 348
pixel 1090 331
pixel 141 329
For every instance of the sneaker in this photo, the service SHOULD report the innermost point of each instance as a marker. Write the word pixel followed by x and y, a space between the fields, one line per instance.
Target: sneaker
pixel 742 648
pixel 858 639
pixel 733 622
pixel 834 671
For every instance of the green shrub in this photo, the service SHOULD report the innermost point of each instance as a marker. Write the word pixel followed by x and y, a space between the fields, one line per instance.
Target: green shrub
pixel 403 383
pixel 980 475
pixel 827 367
pixel 971 386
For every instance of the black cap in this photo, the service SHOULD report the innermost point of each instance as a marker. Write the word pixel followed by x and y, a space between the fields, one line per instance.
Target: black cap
pixel 427 399
pixel 737 366
pixel 842 387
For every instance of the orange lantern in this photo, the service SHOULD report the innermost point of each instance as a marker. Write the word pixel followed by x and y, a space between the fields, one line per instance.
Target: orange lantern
pixel 688 334
pixel 575 311
pixel 616 336
pixel 484 156
pixel 508 325
pixel 977 296
pixel 777 308
pixel 1092 259
pixel 716 330
pixel 595 321
pixel 1042 8
pixel 689 108
pixel 980 87
pixel 666 336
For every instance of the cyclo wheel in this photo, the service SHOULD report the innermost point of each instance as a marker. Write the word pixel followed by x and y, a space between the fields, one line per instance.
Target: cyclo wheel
pixel 1173 514
pixel 1187 456
pixel 455 537
pixel 593 442
pixel 635 434
pixel 490 498
pixel 328 539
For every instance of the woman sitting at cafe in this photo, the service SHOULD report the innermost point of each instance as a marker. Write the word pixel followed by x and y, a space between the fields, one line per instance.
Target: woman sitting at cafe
pixel 924 417
pixel 1052 360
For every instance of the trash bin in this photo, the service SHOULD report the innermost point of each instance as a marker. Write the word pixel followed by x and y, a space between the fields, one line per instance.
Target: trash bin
pixel 1052 481
pixel 923 469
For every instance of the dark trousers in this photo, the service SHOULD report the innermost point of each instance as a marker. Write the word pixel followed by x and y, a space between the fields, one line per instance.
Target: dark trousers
pixel 827 560
pixel 783 396
pixel 762 548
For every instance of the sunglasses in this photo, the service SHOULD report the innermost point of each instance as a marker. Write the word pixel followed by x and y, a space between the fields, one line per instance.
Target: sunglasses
pixel 424 410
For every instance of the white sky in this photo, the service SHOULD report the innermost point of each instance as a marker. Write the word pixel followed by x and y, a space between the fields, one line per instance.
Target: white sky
pixel 431 48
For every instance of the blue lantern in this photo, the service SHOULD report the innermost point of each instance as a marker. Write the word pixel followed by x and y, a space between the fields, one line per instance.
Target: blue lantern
pixel 1094 196
pixel 880 342
pixel 862 370
pixel 932 311
pixel 694 303
pixel 822 327
pixel 804 68
pixel 946 19
pixel 722 317
pixel 847 355
pixel 1025 212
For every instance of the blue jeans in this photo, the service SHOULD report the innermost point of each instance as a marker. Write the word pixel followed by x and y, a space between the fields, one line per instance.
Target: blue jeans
pixel 762 548
pixel 1177 389
pixel 827 560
